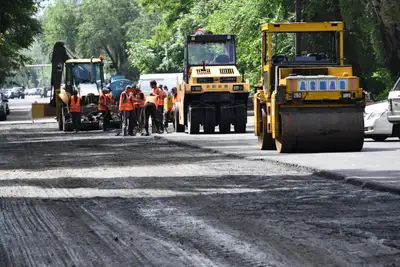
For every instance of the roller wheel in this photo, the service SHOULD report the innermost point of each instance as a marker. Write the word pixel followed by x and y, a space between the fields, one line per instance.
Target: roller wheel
pixel 209 120
pixel 285 145
pixel 379 138
pixel 225 121
pixel 240 120
pixel 265 140
pixel 193 121
pixel 179 128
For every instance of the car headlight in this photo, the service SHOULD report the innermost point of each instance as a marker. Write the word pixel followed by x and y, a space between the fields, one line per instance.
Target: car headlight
pixel 376 114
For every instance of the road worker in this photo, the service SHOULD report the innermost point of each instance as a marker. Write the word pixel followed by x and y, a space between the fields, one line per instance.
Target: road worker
pixel 139 107
pixel 150 108
pixel 74 105
pixel 140 112
pixel 169 115
pixel 158 91
pixel 105 107
pixel 127 109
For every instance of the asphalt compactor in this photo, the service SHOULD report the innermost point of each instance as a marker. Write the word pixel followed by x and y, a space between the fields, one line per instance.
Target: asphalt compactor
pixel 212 91
pixel 312 103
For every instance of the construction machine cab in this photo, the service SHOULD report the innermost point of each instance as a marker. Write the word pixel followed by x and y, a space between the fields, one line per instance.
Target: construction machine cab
pixel 209 50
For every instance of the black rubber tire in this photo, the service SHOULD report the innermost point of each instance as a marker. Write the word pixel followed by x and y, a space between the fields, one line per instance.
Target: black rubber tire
pixel 225 121
pixel 3 117
pixel 379 138
pixel 179 128
pixel 240 120
pixel 210 120
pixel 265 140
pixel 194 121
pixel 60 121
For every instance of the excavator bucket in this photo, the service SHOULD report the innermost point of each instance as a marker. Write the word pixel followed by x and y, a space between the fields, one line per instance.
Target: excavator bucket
pixel 321 130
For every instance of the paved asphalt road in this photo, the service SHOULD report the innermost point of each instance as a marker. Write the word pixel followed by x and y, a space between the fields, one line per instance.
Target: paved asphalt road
pixel 95 199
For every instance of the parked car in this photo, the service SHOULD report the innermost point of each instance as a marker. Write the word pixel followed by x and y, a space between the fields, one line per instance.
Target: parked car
pixel 4 109
pixel 18 92
pixel 376 124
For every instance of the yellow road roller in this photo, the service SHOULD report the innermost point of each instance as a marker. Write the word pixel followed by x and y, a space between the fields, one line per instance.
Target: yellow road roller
pixel 307 101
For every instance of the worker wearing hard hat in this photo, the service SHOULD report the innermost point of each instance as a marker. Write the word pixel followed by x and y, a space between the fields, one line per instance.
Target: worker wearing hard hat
pixel 150 109
pixel 74 105
pixel 104 107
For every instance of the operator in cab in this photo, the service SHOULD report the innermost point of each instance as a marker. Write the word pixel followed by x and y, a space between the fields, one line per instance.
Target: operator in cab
pixel 105 107
pixel 151 107
pixel 158 91
pixel 74 105
pixel 127 109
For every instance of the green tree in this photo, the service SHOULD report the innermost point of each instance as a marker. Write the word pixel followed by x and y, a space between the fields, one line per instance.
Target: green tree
pixel 17 30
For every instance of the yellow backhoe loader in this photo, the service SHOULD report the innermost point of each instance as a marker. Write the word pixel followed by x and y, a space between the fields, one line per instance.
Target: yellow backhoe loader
pixel 311 102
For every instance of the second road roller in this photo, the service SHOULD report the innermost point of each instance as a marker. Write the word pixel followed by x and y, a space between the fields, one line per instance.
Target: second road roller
pixel 307 101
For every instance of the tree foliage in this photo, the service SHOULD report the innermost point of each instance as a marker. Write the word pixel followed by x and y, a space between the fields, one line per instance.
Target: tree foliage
pixel 148 35
pixel 17 31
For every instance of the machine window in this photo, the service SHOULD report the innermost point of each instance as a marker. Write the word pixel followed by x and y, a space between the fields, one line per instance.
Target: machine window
pixel 215 53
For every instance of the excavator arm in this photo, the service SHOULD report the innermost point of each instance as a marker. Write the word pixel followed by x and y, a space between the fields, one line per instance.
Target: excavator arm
pixel 59 56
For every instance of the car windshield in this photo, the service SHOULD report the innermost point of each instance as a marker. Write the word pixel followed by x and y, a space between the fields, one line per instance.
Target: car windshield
pixel 213 53
pixel 81 72
pixel 396 87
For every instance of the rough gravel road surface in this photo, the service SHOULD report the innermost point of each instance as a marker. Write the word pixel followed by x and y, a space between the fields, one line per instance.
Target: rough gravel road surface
pixel 376 164
pixel 94 199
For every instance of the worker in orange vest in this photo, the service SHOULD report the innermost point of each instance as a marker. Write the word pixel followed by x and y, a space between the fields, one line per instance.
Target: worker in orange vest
pixel 169 115
pixel 150 110
pixel 127 108
pixel 74 105
pixel 104 106
pixel 158 91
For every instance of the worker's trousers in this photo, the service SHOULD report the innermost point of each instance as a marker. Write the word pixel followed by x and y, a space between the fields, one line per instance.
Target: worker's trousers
pixel 76 120
pixel 160 116
pixel 129 121
pixel 140 117
pixel 106 119
pixel 150 111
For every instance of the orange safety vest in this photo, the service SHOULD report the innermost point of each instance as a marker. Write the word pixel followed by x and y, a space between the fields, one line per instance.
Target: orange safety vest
pixel 152 99
pixel 105 100
pixel 141 104
pixel 161 95
pixel 127 104
pixel 176 100
pixel 75 107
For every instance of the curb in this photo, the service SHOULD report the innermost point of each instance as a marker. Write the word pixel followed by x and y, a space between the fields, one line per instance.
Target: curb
pixel 330 175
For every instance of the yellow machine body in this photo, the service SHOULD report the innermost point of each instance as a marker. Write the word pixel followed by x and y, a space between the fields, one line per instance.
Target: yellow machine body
pixel 307 106
pixel 212 92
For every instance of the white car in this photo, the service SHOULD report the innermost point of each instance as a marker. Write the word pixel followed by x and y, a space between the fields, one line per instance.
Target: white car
pixel 376 124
